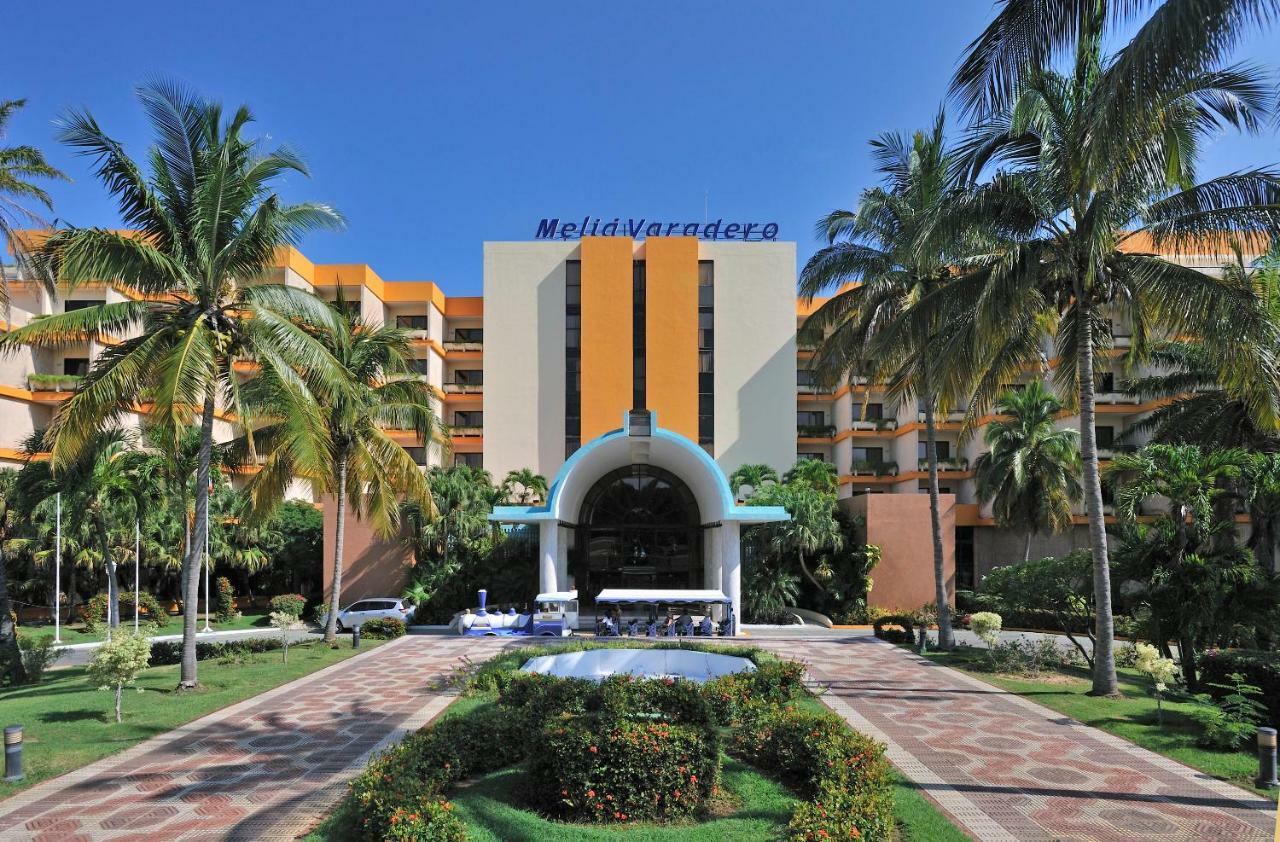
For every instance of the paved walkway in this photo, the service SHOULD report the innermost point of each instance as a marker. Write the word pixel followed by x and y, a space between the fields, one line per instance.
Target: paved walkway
pixel 267 768
pixel 1004 768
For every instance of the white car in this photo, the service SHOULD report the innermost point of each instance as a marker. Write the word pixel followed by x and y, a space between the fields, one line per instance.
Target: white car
pixel 378 608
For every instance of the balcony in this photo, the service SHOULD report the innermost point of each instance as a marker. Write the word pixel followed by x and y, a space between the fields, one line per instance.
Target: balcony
pixel 815 431
pixel 1109 451
pixel 1115 399
pixel 874 424
pixel 944 465
pixel 955 416
pixel 418 327
pixel 463 388
pixel 54 382
pixel 861 468
pixel 814 389
pixel 467 431
pixel 1124 340
pixel 456 344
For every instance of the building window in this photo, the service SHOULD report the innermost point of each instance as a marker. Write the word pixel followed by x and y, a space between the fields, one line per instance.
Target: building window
pixel 468 418
pixel 867 412
pixel 944 489
pixel 413 322
pixel 75 366
pixel 706 355
pixel 470 460
pixel 468 334
pixel 964 558
pixel 806 418
pixel 469 376
pixel 72 306
pixel 1105 436
pixel 805 378
pixel 868 455
pixel 638 367
pixel 420 365
pixel 418 454
pixel 1106 382
pixel 942 447
pixel 572 357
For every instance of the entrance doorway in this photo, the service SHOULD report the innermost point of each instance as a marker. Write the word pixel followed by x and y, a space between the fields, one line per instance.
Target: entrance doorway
pixel 639 527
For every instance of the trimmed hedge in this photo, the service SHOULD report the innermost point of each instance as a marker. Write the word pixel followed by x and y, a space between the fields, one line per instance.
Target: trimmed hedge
pixel 382 628
pixel 596 768
pixel 904 634
pixel 95 610
pixel 1259 668
pixel 170 651
pixel 289 603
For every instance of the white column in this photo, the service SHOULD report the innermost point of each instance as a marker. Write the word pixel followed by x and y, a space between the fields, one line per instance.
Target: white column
pixel 731 567
pixel 711 566
pixel 562 559
pixel 547 553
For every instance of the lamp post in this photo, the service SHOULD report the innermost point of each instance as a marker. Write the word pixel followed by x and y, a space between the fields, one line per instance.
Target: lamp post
pixel 57 570
pixel 137 567
pixel 207 561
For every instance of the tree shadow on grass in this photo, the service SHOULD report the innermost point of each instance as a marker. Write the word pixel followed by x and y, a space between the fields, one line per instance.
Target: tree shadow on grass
pixel 73 715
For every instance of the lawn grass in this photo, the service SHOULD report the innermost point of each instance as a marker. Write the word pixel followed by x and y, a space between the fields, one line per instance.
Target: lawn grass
pixel 68 723
pixel 1132 717
pixel 77 633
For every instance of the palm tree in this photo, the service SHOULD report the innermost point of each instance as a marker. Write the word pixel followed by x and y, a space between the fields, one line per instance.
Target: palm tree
pixel 753 476
pixel 1030 473
pixel 1191 481
pixel 817 473
pixel 889 247
pixel 812 527
pixel 532 487
pixel 20 166
pixel 1096 182
pixel 351 453
pixel 207 226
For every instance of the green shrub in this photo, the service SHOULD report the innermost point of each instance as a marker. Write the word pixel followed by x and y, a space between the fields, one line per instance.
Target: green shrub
pixel 382 628
pixel 225 601
pixel 290 603
pixel 1229 720
pixel 836 813
pixel 1259 668
pixel 165 652
pixel 775 682
pixel 95 610
pixel 594 768
pixel 38 654
pixel 905 633
pixel 428 821
pixel 673 700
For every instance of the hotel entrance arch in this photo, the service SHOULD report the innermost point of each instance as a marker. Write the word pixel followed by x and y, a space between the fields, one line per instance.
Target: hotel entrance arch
pixel 639 526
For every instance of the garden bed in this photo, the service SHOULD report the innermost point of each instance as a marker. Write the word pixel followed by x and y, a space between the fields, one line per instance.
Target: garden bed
pixel 747 756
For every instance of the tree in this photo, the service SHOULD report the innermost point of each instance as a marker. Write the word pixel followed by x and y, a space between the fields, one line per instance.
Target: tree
pixel 20 167
pixel 532 488
pixel 1030 473
pixel 351 454
pixel 1095 184
pixel 205 229
pixel 1063 586
pixel 10 522
pixel 753 476
pixel 1181 554
pixel 890 248
pixel 118 662
pixel 811 528
pixel 819 474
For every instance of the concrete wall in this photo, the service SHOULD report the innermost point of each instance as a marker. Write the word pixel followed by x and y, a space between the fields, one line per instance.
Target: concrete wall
pixel 372 565
pixel 524 356
pixel 899 525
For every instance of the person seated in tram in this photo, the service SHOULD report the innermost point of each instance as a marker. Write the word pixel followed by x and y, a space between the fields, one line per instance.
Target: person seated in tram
pixel 706 627
pixel 633 627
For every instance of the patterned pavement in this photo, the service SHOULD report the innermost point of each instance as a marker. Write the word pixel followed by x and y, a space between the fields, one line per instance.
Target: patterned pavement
pixel 269 767
pixel 1004 768
pixel 1001 767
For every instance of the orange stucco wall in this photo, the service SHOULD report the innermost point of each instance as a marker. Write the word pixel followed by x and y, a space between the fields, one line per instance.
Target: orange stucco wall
pixel 671 332
pixel 372 565
pixel 899 525
pixel 606 333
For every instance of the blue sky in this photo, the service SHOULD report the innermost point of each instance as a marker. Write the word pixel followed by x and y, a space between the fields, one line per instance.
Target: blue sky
pixel 434 127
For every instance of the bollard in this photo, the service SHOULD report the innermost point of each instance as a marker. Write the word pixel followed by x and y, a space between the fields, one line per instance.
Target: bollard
pixel 1267 759
pixel 13 753
pixel 355 637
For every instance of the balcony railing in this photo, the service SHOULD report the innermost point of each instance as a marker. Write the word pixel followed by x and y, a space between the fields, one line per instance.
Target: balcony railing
pixel 861 468
pixel 955 416
pixel 1122 341
pixel 868 424
pixel 456 344
pixel 1110 451
pixel 945 465
pixel 463 388
pixel 468 430
pixel 815 431
pixel 54 382
pixel 1115 398
pixel 814 389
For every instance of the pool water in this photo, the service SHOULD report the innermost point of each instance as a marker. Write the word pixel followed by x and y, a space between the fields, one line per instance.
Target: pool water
pixel 596 664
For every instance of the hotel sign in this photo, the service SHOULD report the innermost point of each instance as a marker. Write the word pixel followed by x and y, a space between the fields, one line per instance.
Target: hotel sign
pixel 554 229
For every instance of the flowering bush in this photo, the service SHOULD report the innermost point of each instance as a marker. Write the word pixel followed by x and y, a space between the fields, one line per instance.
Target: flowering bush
pixel 596 769
pixel 382 628
pixel 986 625
pixel 772 681
pixel 95 610
pixel 118 662
pixel 429 821
pixel 290 603
pixel 225 601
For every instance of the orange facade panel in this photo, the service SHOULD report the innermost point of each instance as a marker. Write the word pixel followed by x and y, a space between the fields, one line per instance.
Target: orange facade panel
pixel 671 332
pixel 606 333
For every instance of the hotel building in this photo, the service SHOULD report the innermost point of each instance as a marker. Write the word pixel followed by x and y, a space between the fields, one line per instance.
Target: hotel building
pixel 570 336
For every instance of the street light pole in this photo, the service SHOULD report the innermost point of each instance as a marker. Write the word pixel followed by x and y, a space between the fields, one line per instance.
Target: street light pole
pixel 57 571
pixel 137 567
pixel 208 560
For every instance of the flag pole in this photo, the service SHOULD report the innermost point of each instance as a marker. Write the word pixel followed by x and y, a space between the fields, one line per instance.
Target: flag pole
pixel 137 567
pixel 57 571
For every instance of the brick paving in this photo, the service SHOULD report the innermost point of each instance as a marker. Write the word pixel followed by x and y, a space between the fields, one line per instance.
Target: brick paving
pixel 1004 768
pixel 269 767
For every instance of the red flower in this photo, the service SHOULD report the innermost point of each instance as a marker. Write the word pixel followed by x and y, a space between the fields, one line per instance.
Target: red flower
pixel 591 793
pixel 594 750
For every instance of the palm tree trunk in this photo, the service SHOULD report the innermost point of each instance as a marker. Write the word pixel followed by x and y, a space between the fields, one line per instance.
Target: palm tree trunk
pixel 339 533
pixel 804 568
pixel 1104 661
pixel 113 582
pixel 1026 548
pixel 935 525
pixel 10 658
pixel 195 546
pixel 1187 660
